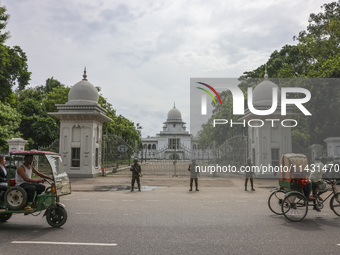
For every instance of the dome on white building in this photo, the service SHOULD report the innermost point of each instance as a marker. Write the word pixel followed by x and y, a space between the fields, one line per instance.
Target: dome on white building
pixel 83 92
pixel 263 93
pixel 174 115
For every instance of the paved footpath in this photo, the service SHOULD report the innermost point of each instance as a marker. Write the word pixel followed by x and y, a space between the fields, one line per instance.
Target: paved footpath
pixel 124 182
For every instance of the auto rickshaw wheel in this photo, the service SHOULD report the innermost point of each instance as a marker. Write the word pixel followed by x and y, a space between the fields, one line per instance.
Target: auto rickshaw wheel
pixel 335 203
pixel 15 198
pixel 275 201
pixel 295 207
pixel 5 217
pixel 56 216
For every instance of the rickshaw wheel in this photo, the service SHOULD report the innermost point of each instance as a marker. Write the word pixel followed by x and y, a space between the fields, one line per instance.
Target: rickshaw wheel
pixel 5 217
pixel 335 203
pixel 294 207
pixel 16 198
pixel 56 216
pixel 275 201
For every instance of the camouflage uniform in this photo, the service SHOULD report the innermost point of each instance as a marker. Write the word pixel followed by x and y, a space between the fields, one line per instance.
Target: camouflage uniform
pixel 136 172
pixel 193 175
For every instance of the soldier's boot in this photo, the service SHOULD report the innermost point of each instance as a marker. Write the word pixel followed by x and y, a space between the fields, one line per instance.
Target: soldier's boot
pixel 252 185
pixel 245 188
pixel 197 189
pixel 190 188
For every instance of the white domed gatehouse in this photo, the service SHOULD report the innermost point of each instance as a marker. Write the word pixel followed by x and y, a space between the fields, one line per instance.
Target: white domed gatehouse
pixel 267 142
pixel 81 122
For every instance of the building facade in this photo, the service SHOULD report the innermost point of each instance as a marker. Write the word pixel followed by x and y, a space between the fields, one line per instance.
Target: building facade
pixel 173 142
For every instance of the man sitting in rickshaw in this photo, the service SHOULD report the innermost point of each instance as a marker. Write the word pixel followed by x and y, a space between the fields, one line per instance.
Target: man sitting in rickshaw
pixel 316 179
pixel 306 185
pixel 316 176
pixel 23 178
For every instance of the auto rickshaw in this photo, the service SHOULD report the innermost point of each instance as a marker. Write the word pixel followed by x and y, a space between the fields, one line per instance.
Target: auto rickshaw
pixel 14 199
pixel 289 199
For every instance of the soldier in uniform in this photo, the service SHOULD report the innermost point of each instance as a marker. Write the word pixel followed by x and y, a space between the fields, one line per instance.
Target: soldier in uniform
pixel 136 172
pixel 249 174
pixel 193 175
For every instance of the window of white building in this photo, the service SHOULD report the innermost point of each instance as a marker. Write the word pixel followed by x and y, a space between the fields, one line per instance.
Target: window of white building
pixel 275 157
pixel 173 143
pixel 75 161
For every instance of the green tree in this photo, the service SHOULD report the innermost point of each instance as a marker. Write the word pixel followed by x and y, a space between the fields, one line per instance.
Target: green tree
pixel 321 39
pixel 209 134
pixel 13 63
pixel 36 126
pixel 3 22
pixel 9 123
pixel 119 125
pixel 58 95
pixel 50 84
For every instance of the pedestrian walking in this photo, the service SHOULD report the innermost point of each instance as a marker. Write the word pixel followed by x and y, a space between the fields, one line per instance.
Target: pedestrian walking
pixel 249 174
pixel 136 172
pixel 193 175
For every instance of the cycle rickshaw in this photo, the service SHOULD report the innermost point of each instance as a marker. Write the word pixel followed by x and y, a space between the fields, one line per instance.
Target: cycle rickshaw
pixel 289 199
pixel 14 199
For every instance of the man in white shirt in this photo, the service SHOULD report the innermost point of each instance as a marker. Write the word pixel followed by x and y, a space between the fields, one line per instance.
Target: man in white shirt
pixel 23 178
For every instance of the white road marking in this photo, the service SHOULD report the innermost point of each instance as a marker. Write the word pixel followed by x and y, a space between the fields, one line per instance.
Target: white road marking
pixel 128 200
pixel 64 243
pixel 152 200
pixel 85 199
pixel 105 200
pixel 85 213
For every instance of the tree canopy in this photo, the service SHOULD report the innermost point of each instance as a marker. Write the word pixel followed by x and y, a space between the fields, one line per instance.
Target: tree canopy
pixel 316 55
pixel 13 62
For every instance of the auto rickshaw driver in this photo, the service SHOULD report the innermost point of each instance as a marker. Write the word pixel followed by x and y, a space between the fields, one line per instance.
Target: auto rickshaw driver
pixel 23 178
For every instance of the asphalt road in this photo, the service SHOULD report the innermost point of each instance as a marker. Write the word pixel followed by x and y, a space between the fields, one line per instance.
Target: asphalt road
pixel 172 220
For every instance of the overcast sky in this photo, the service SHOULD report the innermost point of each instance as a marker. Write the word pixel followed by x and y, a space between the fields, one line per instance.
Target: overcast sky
pixel 143 53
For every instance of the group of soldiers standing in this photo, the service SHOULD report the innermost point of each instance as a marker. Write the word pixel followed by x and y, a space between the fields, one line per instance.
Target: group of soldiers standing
pixel 137 171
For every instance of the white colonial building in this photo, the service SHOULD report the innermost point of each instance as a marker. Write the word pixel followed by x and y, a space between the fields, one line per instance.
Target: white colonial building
pixel 173 142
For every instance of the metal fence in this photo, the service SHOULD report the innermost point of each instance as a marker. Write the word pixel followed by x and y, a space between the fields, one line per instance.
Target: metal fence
pixel 177 168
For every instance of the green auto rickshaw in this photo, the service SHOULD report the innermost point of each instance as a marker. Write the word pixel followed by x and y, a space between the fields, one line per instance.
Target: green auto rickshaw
pixel 14 198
